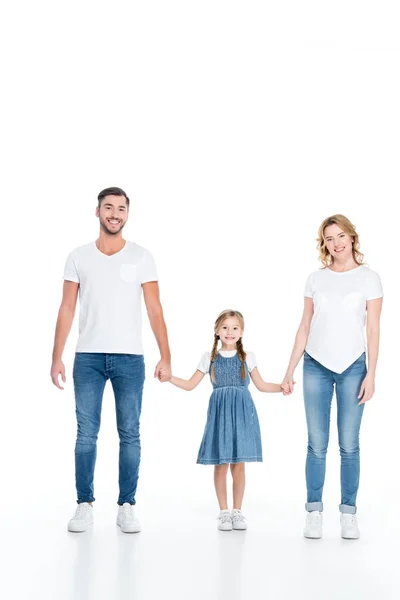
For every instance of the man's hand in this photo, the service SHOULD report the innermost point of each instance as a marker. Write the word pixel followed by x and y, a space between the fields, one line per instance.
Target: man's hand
pixel 57 369
pixel 163 371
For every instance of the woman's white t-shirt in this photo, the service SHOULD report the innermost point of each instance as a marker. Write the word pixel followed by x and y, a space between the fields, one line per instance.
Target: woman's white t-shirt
pixel 336 337
pixel 204 364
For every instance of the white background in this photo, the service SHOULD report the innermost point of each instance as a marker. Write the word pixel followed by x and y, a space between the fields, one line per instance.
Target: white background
pixel 235 128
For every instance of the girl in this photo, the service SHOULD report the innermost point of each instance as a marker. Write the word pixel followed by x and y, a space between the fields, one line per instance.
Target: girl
pixel 338 297
pixel 232 432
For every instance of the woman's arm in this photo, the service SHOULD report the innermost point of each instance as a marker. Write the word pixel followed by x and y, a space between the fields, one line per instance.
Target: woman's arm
pixel 261 385
pixel 300 342
pixel 374 308
pixel 188 384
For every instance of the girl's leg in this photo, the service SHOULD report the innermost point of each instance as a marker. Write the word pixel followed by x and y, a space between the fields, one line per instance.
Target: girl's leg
pixel 239 483
pixel 220 472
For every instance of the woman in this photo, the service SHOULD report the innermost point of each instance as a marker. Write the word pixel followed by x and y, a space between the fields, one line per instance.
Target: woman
pixel 340 299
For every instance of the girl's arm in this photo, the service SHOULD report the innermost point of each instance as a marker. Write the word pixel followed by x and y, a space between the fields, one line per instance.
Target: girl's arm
pixel 262 385
pixel 188 384
pixel 300 342
pixel 374 308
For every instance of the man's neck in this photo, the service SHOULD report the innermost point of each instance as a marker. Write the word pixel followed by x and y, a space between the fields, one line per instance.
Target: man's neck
pixel 110 244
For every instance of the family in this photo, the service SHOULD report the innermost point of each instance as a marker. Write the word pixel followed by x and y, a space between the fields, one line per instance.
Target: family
pixel 341 300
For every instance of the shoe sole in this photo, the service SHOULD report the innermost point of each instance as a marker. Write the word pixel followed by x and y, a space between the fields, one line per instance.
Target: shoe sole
pixel 313 537
pixel 74 529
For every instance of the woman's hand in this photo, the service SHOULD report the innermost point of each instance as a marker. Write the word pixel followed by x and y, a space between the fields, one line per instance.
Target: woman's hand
pixel 288 384
pixel 367 389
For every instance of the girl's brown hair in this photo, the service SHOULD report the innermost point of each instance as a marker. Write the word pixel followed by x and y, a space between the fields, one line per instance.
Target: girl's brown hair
pixel 343 222
pixel 239 344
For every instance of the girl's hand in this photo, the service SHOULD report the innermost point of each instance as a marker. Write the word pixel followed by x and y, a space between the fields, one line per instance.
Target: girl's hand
pixel 288 384
pixel 367 389
pixel 285 389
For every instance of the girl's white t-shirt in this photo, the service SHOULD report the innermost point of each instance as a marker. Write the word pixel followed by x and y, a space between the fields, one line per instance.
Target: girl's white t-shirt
pixel 336 337
pixel 204 364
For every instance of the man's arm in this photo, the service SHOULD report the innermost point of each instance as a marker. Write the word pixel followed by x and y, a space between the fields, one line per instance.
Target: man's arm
pixel 63 327
pixel 151 294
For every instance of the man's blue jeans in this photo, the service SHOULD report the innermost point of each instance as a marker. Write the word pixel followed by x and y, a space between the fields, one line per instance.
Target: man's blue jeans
pixel 126 373
pixel 318 386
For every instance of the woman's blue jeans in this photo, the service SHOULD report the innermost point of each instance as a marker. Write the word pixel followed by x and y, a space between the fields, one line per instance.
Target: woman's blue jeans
pixel 318 386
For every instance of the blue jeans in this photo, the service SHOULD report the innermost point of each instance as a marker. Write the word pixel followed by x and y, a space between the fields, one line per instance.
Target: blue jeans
pixel 126 373
pixel 318 385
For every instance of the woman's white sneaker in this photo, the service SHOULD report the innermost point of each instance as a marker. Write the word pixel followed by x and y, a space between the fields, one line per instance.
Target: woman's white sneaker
pixel 313 528
pixel 238 520
pixel 82 518
pixel 349 527
pixel 224 520
pixel 126 519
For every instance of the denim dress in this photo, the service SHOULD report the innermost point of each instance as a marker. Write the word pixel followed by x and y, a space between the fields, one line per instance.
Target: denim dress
pixel 232 431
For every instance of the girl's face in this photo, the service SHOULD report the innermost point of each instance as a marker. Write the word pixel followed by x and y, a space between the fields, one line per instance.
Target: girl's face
pixel 230 331
pixel 338 243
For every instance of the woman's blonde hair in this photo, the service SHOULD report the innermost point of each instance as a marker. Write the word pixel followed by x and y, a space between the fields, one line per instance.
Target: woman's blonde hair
pixel 343 222
pixel 239 344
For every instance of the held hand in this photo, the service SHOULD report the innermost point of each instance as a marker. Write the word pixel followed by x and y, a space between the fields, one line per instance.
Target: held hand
pixel 285 389
pixel 57 369
pixel 288 384
pixel 367 389
pixel 163 371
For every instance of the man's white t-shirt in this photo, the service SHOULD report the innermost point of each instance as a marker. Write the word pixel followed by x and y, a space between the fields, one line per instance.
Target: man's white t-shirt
pixel 204 364
pixel 110 291
pixel 336 337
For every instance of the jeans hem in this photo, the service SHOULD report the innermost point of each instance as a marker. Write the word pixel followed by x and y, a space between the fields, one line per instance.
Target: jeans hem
pixel 347 509
pixel 311 506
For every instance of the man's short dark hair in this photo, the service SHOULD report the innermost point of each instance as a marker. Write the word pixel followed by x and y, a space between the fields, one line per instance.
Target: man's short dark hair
pixel 112 191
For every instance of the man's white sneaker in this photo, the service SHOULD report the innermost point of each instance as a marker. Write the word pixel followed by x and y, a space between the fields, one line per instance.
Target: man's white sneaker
pixel 126 519
pixel 313 528
pixel 238 520
pixel 82 518
pixel 349 526
pixel 224 521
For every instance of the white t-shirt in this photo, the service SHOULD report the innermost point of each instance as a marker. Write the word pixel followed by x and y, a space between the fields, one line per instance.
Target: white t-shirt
pixel 204 364
pixel 110 289
pixel 336 337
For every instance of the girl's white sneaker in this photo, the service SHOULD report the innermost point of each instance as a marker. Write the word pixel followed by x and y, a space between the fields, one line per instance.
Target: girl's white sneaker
pixel 224 521
pixel 238 520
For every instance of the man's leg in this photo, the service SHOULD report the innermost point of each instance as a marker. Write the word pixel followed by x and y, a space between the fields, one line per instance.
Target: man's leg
pixel 89 382
pixel 127 378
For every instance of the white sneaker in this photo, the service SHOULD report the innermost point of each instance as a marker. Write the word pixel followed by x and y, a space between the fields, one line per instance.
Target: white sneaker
pixel 349 526
pixel 82 518
pixel 126 519
pixel 224 521
pixel 313 528
pixel 238 520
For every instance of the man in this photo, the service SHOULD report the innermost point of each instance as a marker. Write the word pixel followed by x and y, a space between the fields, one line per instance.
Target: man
pixel 110 275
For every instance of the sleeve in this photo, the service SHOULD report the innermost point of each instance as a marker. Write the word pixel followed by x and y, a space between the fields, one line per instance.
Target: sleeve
pixel 70 269
pixel 251 360
pixel 148 270
pixel 204 364
pixel 308 291
pixel 374 286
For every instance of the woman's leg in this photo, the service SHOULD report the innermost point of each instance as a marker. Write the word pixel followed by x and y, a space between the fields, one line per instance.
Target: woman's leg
pixel 348 386
pixel 239 483
pixel 318 391
pixel 220 473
